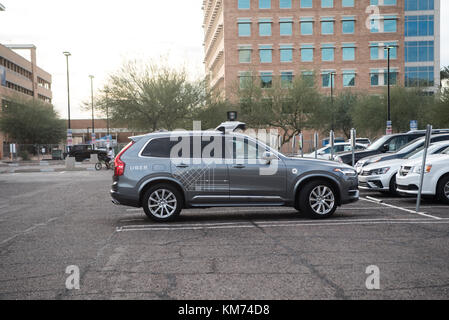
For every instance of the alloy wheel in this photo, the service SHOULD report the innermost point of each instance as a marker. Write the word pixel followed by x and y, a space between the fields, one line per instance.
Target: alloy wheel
pixel 162 203
pixel 322 200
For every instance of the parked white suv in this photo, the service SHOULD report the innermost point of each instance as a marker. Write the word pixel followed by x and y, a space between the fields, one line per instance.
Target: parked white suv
pixel 436 176
pixel 381 176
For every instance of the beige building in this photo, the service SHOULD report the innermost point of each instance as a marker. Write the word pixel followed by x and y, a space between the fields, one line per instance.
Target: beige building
pixel 22 78
pixel 342 39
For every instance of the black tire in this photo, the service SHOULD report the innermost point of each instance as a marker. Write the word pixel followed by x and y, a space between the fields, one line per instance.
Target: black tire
pixel 98 166
pixel 393 186
pixel 443 190
pixel 157 211
pixel 309 192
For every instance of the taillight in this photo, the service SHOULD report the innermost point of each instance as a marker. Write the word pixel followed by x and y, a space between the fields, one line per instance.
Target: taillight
pixel 119 165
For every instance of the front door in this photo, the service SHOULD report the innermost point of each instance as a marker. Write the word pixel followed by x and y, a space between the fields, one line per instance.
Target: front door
pixel 252 179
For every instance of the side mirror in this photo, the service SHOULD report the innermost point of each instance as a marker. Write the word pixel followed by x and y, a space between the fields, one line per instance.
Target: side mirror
pixel 268 156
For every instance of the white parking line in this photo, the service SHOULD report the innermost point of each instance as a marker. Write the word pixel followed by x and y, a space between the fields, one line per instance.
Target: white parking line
pixel 403 209
pixel 275 224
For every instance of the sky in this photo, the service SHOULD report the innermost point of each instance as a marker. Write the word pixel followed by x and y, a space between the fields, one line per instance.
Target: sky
pixel 102 34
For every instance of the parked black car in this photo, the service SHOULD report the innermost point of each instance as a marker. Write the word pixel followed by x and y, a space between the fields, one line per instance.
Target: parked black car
pixel 82 152
pixel 387 143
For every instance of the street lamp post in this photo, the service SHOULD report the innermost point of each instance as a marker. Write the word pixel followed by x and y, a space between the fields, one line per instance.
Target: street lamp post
pixel 389 128
pixel 67 55
pixel 92 103
pixel 332 74
pixel 87 133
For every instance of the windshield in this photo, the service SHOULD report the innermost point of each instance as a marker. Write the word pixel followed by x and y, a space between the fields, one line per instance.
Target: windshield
pixel 432 150
pixel 378 143
pixel 411 146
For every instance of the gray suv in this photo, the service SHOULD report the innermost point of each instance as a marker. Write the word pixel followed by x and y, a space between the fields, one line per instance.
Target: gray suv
pixel 165 172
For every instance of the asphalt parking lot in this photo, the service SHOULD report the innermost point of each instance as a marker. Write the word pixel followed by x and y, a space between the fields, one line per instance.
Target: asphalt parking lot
pixel 52 220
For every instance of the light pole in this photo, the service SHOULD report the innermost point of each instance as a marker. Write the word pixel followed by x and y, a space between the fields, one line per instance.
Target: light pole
pixel 67 55
pixel 87 134
pixel 389 128
pixel 92 101
pixel 332 74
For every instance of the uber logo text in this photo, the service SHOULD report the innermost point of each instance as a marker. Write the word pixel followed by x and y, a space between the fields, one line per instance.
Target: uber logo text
pixel 72 281
pixel 373 280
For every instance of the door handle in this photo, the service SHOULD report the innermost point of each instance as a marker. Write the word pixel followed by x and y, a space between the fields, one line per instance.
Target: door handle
pixel 239 166
pixel 182 165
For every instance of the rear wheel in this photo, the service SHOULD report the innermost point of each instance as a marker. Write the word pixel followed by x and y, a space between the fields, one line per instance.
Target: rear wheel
pixel 443 190
pixel 98 166
pixel 317 199
pixel 162 202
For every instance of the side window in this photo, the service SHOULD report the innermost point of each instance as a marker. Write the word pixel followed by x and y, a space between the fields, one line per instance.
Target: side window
pixel 212 147
pixel 244 148
pixel 339 148
pixel 159 148
pixel 397 143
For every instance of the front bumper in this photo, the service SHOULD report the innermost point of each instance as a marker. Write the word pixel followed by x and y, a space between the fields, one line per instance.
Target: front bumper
pixel 409 184
pixel 349 191
pixel 375 183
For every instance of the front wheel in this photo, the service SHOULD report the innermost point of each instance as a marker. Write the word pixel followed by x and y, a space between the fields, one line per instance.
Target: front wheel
pixel 162 202
pixel 317 199
pixel 98 166
pixel 443 190
pixel 393 187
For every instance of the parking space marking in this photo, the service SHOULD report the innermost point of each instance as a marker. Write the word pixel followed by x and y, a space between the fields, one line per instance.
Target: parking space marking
pixel 262 224
pixel 403 209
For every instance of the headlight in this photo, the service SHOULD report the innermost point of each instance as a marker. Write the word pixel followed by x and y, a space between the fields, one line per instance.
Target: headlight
pixel 346 171
pixel 417 169
pixel 379 171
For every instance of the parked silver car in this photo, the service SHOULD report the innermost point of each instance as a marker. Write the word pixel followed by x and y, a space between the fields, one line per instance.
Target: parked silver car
pixel 167 171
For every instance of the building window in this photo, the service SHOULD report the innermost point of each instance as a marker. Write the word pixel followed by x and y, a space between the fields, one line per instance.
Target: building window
pixel 419 26
pixel 378 51
pixel 349 78
pixel 306 28
pixel 380 77
pixel 327 3
pixel 264 28
pixel 308 77
pixel 245 55
pixel 419 76
pixel 286 79
pixel 286 27
pixel 414 5
pixel 326 79
pixel 306 3
pixel 245 79
pixel 348 52
pixel 286 53
pixel 266 80
pixel 347 3
pixel 385 24
pixel 244 28
pixel 419 51
pixel 265 53
pixel 383 2
pixel 348 26
pixel 327 53
pixel 264 4
pixel 285 4
pixel 306 53
pixel 244 4
pixel 327 27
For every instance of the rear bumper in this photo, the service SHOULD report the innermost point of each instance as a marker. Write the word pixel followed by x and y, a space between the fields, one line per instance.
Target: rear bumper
pixel 120 199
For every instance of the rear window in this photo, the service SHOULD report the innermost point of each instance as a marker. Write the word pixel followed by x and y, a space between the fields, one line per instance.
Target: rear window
pixel 159 148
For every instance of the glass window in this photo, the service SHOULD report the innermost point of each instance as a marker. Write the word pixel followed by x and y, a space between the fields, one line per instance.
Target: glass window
pixel 419 51
pixel 419 26
pixel 393 77
pixel 244 29
pixel 374 79
pixel 374 25
pixel 348 26
pixel 245 79
pixel 389 2
pixel 266 79
pixel 286 28
pixel 327 54
pixel 347 3
pixel 413 5
pixel 348 79
pixel 244 4
pixel 326 80
pixel 306 54
pixel 419 76
pixel 286 54
pixel 245 55
pixel 265 55
pixel 306 3
pixel 390 25
pixel 264 4
pixel 160 148
pixel 327 3
pixel 374 53
pixel 327 27
pixel 348 54
pixel 286 78
pixel 265 28
pixel 285 4
pixel 306 28
pixel 308 77
pixel 244 148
